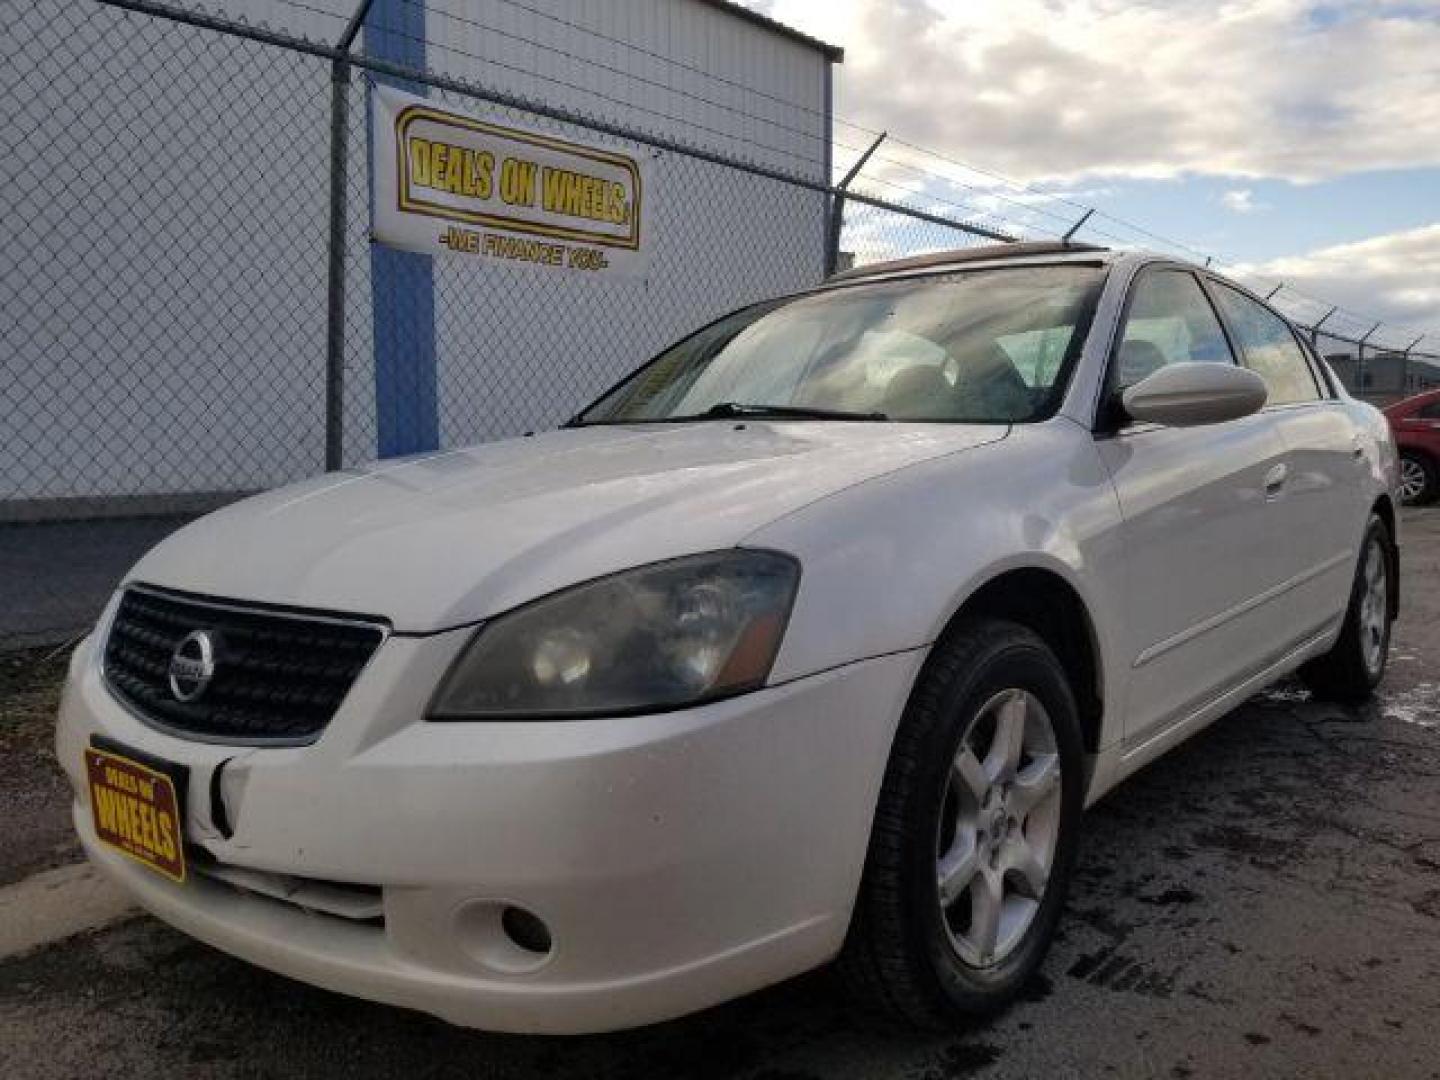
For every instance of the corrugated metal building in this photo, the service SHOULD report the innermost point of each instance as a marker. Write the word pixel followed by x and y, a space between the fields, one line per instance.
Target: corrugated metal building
pixel 191 358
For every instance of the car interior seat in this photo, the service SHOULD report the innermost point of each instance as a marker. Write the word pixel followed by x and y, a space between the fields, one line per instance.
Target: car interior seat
pixel 919 392
pixel 991 388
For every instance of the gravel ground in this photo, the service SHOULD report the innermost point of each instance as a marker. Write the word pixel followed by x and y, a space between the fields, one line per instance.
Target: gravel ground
pixel 1264 901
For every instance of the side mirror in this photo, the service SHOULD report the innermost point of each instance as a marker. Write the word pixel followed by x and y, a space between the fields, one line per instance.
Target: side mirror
pixel 1189 395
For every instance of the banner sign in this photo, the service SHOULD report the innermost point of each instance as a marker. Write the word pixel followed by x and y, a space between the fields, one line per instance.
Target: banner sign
pixel 450 183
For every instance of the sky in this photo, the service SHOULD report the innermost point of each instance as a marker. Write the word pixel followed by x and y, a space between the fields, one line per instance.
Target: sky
pixel 1292 140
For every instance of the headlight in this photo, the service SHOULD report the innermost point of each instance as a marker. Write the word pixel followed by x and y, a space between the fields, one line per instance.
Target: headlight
pixel 658 637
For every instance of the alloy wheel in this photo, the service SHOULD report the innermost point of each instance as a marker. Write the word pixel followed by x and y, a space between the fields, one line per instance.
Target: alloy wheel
pixel 1374 605
pixel 998 828
pixel 1412 480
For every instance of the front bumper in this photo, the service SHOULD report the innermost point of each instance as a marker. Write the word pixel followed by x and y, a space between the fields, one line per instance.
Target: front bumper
pixel 678 859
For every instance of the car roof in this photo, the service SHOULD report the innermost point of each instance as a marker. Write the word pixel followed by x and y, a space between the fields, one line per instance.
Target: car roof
pixel 983 253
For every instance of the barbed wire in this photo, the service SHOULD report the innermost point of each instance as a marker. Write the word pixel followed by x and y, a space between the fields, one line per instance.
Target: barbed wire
pixel 1290 291
pixel 1012 214
pixel 444 47
pixel 1026 213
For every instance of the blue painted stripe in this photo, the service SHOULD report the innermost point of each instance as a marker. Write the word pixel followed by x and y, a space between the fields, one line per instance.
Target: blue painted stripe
pixel 402 283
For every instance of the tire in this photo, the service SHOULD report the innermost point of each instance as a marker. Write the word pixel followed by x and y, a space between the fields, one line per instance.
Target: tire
pixel 904 956
pixel 1351 670
pixel 1418 481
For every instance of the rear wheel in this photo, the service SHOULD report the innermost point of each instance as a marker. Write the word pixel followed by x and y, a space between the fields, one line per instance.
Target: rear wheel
pixel 1418 482
pixel 974 834
pixel 1352 669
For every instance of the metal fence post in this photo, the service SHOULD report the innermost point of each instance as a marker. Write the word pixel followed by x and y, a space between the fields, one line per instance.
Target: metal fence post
pixel 1070 232
pixel 1315 330
pixel 837 208
pixel 335 293
pixel 1405 362
pixel 1360 354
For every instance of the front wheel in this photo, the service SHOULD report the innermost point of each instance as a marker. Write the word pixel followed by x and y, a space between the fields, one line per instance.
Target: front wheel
pixel 975 831
pixel 1352 669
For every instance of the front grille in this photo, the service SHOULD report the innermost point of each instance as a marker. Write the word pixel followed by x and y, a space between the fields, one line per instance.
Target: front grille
pixel 278 676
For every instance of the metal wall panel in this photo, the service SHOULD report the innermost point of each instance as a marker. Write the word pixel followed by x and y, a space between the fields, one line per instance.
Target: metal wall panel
pixel 545 345
pixel 680 68
pixel 183 350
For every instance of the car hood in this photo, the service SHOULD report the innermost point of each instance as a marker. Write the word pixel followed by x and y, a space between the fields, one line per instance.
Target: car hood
pixel 445 539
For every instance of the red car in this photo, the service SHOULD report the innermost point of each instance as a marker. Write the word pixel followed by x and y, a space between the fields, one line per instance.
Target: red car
pixel 1416 423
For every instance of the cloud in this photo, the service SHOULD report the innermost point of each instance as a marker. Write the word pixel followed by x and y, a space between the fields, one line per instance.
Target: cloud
pixel 1394 277
pixel 1043 89
pixel 1240 201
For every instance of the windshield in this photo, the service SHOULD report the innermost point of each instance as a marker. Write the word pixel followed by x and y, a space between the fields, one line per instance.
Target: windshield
pixel 982 346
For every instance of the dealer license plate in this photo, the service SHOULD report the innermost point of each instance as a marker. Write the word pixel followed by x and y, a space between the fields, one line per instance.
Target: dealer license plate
pixel 136 811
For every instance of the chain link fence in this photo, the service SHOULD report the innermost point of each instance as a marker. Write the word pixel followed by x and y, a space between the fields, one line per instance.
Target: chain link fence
pixel 193 308
pixel 161 246
pixel 175 336
pixel 1379 363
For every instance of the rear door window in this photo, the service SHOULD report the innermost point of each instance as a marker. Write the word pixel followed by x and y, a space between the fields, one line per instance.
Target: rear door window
pixel 1268 348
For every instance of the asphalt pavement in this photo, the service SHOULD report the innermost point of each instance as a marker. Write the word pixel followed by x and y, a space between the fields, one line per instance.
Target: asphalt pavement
pixel 1265 901
pixel 58 574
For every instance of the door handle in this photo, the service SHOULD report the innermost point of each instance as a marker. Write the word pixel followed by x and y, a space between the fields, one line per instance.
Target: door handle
pixel 1275 481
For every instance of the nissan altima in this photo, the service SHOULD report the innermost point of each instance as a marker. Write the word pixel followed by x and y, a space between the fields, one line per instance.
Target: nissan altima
pixel 809 641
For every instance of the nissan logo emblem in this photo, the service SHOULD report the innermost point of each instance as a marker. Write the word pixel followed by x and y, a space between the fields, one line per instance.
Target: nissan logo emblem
pixel 192 665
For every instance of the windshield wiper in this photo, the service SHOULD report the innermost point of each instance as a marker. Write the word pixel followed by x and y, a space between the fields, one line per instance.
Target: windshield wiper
pixel 724 410
pixel 731 409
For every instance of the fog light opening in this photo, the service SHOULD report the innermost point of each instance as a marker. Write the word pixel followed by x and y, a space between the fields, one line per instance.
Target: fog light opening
pixel 503 937
pixel 526 931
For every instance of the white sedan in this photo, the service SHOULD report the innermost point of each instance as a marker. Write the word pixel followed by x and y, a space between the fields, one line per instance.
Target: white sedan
pixel 811 639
